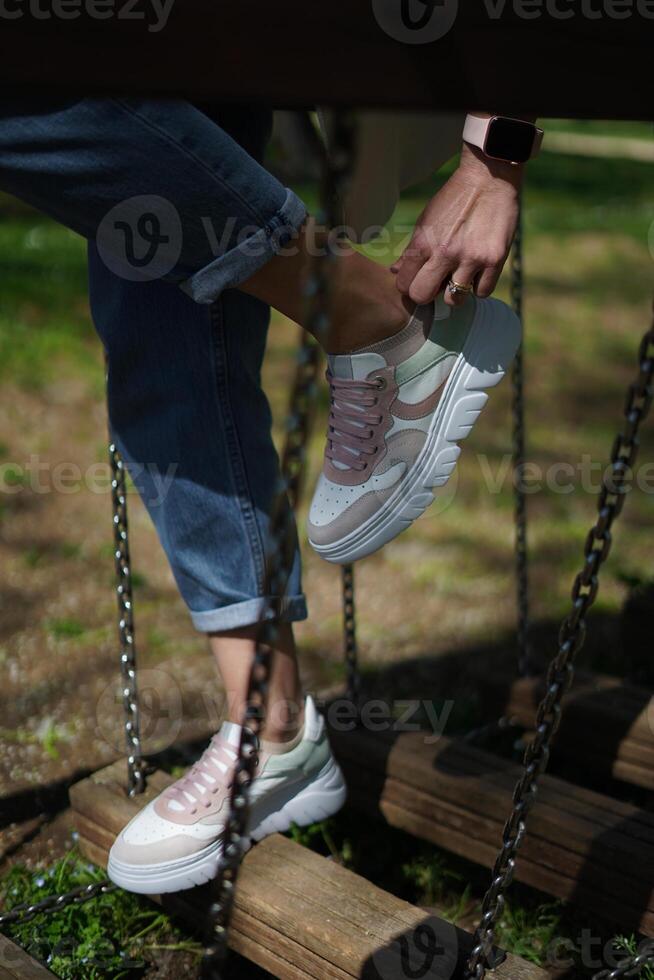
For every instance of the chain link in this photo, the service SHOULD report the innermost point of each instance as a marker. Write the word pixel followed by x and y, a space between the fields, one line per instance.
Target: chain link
pixel 520 499
pixel 350 647
pixel 55 903
pixel 630 967
pixel 282 535
pixel 571 637
pixel 135 767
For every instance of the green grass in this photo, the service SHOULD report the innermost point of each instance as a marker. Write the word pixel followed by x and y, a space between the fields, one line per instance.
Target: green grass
pixel 47 735
pixel 43 302
pixel 601 127
pixel 139 580
pixel 109 937
pixel 66 629
pixel 530 931
pixel 629 945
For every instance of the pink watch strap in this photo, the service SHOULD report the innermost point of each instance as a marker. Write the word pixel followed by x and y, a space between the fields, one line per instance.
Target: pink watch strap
pixel 476 128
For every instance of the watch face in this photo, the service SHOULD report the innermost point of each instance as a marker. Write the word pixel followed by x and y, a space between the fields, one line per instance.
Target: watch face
pixel 510 139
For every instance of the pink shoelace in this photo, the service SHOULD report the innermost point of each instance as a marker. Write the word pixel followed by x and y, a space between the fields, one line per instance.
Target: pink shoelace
pixel 206 777
pixel 351 430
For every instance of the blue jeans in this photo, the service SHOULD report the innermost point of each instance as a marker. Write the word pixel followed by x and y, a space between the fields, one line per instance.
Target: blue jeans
pixel 185 401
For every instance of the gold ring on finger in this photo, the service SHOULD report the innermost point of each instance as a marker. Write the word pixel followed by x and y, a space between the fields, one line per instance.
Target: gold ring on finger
pixel 455 287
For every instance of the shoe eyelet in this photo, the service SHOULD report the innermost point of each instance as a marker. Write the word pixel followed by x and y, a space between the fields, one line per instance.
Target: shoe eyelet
pixel 382 384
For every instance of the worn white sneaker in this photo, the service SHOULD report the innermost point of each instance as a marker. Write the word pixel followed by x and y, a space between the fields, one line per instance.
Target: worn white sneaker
pixel 175 841
pixel 399 408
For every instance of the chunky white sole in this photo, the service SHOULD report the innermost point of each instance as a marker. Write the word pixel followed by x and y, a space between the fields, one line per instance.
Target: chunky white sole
pixel 301 803
pixel 493 339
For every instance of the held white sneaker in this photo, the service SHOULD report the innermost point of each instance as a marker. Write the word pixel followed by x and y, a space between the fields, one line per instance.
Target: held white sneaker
pixel 175 841
pixel 399 408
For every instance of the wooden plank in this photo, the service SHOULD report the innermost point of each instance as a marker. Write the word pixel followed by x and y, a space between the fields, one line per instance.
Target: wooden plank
pixel 626 707
pixel 473 57
pixel 296 913
pixel 581 845
pixel 607 725
pixel 16 964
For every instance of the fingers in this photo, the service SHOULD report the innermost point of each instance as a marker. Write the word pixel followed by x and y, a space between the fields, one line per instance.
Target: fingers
pixel 466 276
pixel 408 267
pixel 488 280
pixel 423 271
pixel 430 280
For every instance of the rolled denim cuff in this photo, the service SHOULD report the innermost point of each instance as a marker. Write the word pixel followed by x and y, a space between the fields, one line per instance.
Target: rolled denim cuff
pixel 289 609
pixel 249 255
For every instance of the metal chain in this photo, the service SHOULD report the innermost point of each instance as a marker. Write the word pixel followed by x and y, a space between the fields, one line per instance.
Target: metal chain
pixel 571 637
pixel 630 967
pixel 482 733
pixel 350 647
pixel 135 767
pixel 54 903
pixel 520 499
pixel 282 536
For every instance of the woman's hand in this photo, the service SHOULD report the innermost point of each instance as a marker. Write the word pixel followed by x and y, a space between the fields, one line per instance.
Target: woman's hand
pixel 465 232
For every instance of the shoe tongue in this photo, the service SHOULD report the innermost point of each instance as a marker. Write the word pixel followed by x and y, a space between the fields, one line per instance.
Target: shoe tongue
pixel 358 366
pixel 230 732
pixel 355 366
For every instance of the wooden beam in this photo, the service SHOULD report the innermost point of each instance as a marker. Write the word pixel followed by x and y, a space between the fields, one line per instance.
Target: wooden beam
pixel 293 53
pixel 607 725
pixel 581 846
pixel 16 964
pixel 296 914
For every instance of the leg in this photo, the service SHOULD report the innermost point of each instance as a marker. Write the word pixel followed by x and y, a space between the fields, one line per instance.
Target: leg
pixel 193 425
pixel 140 329
pixel 234 652
pixel 365 305
pixel 170 194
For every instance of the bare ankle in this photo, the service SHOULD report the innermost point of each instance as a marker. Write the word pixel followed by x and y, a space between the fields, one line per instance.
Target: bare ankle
pixel 284 721
pixel 366 307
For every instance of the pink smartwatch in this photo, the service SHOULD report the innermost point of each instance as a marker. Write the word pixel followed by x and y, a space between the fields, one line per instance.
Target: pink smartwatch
pixel 503 138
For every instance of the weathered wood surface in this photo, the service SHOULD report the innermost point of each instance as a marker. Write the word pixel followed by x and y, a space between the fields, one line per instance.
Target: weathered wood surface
pixel 485 55
pixel 16 964
pixel 580 845
pixel 296 914
pixel 607 725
